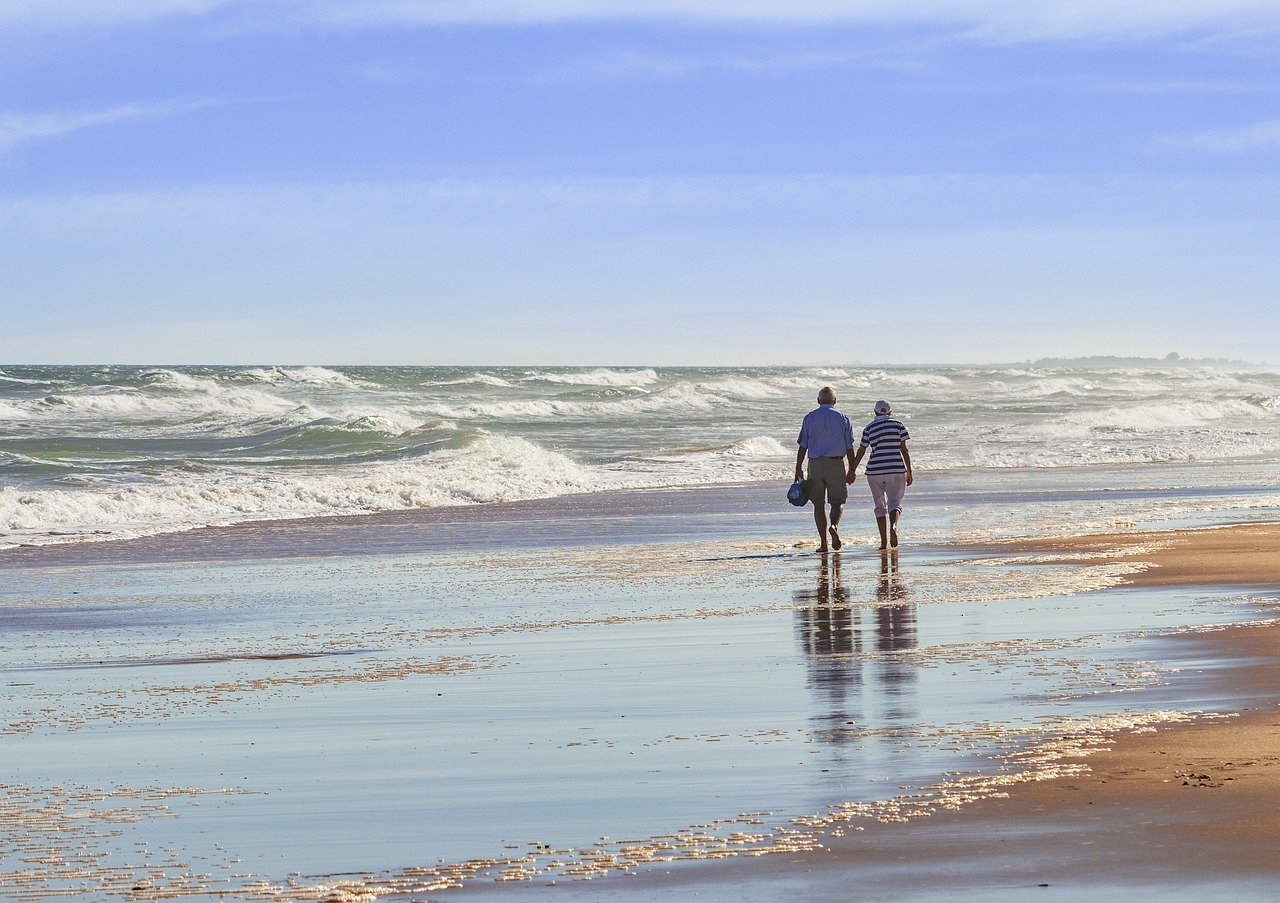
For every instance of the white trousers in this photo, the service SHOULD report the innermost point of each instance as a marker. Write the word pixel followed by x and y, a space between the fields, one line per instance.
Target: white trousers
pixel 887 491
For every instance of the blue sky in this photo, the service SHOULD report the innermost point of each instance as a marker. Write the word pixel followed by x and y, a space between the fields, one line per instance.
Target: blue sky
pixel 570 181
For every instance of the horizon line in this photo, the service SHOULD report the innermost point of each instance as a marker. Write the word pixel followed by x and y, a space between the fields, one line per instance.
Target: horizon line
pixel 1119 359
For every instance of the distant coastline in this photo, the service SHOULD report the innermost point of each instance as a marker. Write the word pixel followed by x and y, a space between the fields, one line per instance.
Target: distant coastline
pixel 1173 359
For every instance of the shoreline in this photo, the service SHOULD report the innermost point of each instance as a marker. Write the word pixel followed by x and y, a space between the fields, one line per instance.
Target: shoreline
pixel 286 535
pixel 571 519
pixel 1226 555
pixel 1188 809
pixel 731 512
pixel 1196 802
pixel 1131 803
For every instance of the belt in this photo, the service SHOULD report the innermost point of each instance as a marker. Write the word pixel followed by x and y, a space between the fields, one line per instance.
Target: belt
pixel 832 457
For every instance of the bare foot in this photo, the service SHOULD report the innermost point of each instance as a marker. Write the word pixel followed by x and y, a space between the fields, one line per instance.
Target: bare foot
pixel 884 548
pixel 822 550
pixel 835 539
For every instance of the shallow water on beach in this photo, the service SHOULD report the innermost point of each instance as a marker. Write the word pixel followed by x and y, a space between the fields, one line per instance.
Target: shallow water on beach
pixel 379 717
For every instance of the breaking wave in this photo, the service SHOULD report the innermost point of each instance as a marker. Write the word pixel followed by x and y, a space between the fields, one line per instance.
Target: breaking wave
pixel 478 379
pixel 487 468
pixel 1158 416
pixel 129 450
pixel 310 376
pixel 599 377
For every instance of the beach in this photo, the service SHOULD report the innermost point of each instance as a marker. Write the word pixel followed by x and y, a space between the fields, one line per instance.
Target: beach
pixel 1188 810
pixel 421 633
pixel 640 695
pixel 411 414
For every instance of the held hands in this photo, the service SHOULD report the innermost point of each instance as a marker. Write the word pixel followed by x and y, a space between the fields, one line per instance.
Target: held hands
pixel 850 477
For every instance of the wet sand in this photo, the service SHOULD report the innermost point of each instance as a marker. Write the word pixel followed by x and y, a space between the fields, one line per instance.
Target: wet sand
pixel 1184 806
pixel 1177 807
pixel 1203 798
pixel 1189 811
pixel 804 684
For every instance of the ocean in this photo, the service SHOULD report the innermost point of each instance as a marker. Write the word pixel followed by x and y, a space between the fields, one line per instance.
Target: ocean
pixel 100 453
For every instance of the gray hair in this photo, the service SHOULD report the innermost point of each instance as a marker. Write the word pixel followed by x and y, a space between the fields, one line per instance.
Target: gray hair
pixel 826 395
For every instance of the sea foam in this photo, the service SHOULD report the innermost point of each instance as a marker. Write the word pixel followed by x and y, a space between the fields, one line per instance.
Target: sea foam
pixel 599 377
pixel 488 468
pixel 129 450
pixel 313 376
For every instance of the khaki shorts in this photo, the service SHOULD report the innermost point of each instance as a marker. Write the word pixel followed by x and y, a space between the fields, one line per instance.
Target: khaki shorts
pixel 826 481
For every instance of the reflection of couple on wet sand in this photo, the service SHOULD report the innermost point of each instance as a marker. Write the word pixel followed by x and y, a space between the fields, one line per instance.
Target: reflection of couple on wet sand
pixel 826 440
pixel 828 612
pixel 832 631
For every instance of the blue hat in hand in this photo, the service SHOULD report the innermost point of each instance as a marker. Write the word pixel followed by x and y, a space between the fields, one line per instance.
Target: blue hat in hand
pixel 796 495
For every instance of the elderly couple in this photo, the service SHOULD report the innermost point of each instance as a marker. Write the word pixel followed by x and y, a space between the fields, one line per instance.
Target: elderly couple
pixel 826 438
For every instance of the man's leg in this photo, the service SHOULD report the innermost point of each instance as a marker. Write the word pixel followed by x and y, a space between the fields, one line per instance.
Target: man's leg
pixel 837 508
pixel 827 487
pixel 818 492
pixel 820 519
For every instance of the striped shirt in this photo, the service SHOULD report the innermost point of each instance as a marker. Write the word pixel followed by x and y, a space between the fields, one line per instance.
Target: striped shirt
pixel 885 436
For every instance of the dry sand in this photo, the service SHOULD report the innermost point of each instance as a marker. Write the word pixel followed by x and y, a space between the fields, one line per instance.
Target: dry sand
pixel 1186 801
pixel 1197 799
pixel 1239 554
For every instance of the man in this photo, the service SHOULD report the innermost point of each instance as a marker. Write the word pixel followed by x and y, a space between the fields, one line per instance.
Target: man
pixel 888 470
pixel 826 437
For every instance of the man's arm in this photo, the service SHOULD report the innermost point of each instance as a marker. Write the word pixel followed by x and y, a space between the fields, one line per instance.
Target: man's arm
pixel 800 463
pixel 854 460
pixel 906 457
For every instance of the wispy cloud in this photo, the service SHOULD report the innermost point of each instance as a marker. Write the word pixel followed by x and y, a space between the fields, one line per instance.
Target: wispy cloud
pixel 1174 86
pixel 501 206
pixel 628 63
pixel 20 128
pixel 406 254
pixel 54 14
pixel 1260 136
pixel 995 20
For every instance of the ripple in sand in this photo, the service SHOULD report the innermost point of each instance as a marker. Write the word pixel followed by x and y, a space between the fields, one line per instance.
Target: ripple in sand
pixel 76 709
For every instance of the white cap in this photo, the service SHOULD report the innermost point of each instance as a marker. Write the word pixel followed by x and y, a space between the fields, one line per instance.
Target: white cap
pixel 882 407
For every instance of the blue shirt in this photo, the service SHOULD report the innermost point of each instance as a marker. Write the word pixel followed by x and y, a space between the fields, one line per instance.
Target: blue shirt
pixel 885 436
pixel 826 433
